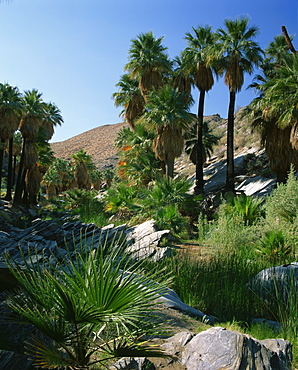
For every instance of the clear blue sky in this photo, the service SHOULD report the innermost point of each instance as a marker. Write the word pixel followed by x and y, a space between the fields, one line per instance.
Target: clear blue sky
pixel 74 51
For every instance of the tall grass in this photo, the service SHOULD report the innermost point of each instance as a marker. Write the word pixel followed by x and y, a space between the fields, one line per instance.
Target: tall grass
pixel 217 285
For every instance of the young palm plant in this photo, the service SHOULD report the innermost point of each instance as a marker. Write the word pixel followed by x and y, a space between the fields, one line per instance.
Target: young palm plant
pixel 92 307
pixel 247 208
pixel 273 245
pixel 208 141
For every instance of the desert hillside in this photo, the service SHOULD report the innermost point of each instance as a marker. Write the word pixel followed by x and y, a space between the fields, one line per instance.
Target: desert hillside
pixel 97 142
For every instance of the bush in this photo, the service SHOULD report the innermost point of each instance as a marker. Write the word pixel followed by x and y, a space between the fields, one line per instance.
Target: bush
pixel 282 205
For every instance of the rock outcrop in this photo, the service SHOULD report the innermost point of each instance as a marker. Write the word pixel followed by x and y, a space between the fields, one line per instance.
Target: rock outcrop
pixel 218 349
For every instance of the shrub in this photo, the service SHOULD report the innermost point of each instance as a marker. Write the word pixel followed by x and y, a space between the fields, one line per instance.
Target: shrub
pixel 169 217
pixel 121 200
pixel 282 205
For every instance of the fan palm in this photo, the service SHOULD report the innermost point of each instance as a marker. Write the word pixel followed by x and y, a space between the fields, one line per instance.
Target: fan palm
pixel 277 50
pixel 32 115
pixel 65 172
pixel 182 80
pixel 148 62
pixel 83 164
pixel 129 96
pixel 169 115
pixel 91 307
pixel 137 160
pixel 275 114
pixel 208 142
pixel 199 56
pixel 51 118
pixel 238 54
pixel 10 109
pixel 52 181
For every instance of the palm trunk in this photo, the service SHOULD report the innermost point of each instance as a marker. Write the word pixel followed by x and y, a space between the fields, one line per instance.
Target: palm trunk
pixel 170 168
pixel 10 172
pixel 14 170
pixel 199 188
pixel 20 178
pixel 288 40
pixel 1 161
pixel 282 176
pixel 230 181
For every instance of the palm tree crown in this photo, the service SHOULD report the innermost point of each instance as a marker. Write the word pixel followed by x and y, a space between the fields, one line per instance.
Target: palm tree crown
pixel 148 61
pixel 169 114
pixel 10 109
pixel 129 96
pixel 33 113
pixel 51 118
pixel 237 52
pixel 198 53
pixel 274 112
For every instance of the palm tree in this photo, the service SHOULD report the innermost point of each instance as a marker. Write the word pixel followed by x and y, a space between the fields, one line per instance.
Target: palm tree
pixel 51 118
pixel 238 54
pixel 129 96
pixel 10 109
pixel 137 159
pixel 83 164
pixel 277 51
pixel 182 80
pixel 51 180
pixel 275 114
pixel 32 116
pixel 199 56
pixel 148 62
pixel 169 115
pixel 66 174
pixel 208 142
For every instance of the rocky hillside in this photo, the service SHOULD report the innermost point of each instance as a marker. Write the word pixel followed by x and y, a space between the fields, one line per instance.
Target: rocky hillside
pixel 99 142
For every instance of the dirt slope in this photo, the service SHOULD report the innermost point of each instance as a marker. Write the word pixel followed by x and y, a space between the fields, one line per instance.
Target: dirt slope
pixel 98 142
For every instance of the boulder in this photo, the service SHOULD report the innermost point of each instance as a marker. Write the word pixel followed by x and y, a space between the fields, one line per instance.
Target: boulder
pixel 144 241
pixel 218 348
pixel 276 282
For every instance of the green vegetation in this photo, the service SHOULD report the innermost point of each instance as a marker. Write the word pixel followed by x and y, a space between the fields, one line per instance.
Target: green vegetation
pixel 92 305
